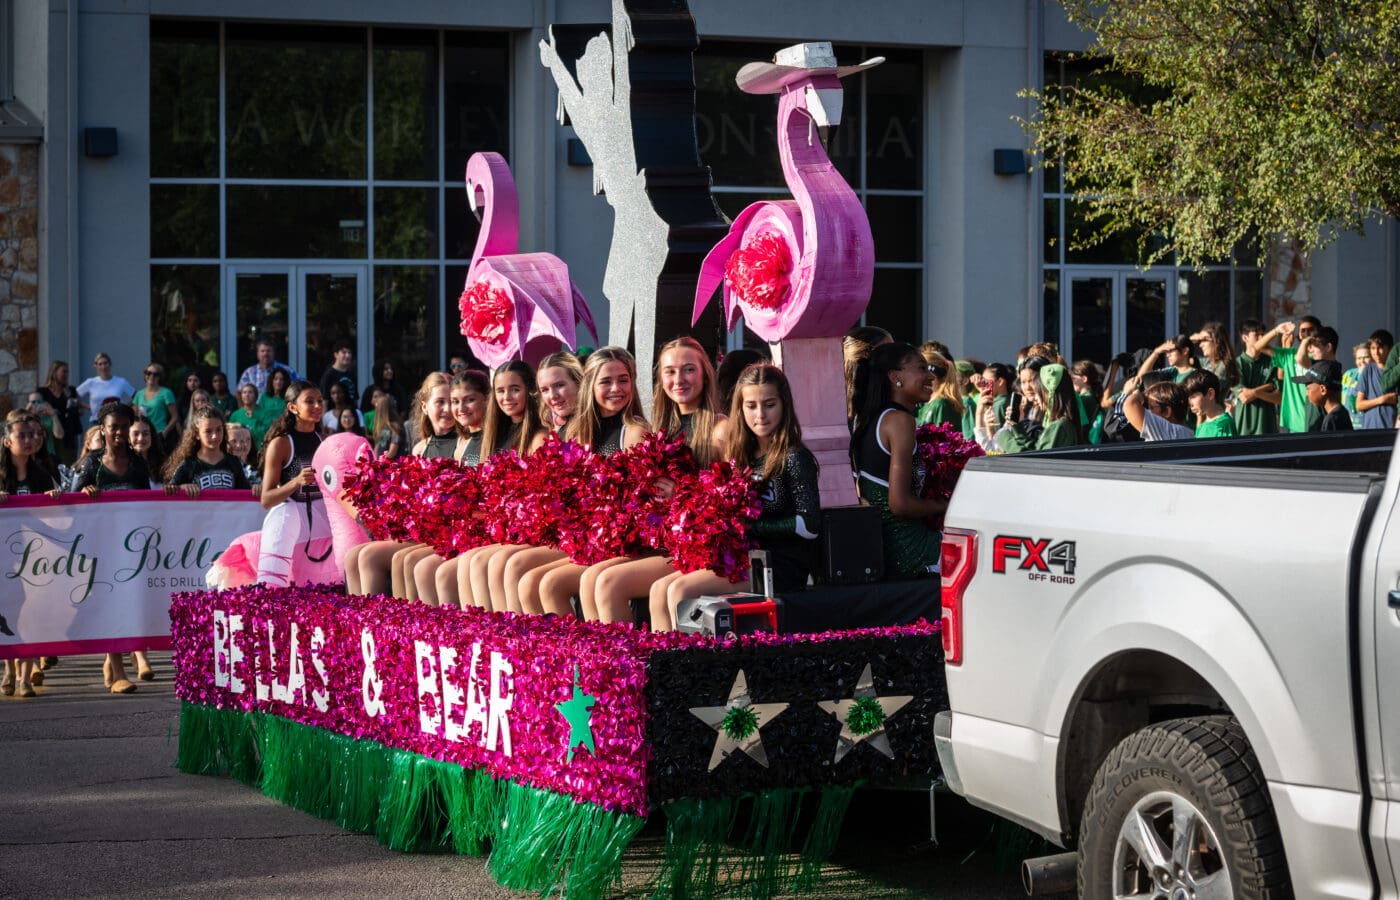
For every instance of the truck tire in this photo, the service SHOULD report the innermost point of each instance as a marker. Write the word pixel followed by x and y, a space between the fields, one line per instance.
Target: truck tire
pixel 1197 777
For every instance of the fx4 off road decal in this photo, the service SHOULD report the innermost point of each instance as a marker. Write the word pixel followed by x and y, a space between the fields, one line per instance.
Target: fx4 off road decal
pixel 1037 557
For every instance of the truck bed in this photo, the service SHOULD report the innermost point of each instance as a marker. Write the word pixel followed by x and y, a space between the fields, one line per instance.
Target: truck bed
pixel 1357 451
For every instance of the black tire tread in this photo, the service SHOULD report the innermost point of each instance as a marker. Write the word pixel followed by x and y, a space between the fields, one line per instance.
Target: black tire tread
pixel 1214 752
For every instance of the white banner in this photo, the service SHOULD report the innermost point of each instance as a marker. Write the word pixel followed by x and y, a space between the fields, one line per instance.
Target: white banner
pixel 90 575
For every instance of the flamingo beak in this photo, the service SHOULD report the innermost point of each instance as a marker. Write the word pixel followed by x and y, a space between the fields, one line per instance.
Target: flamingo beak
pixel 474 201
pixel 824 106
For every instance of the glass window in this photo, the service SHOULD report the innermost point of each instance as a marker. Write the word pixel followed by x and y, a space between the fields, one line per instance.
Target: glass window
pixel 896 303
pixel 460 224
pixel 736 132
pixel 476 97
pixel 1051 293
pixel 184 99
pixel 405 223
pixel 897 224
pixel 262 307
pixel 1146 311
pixel 185 318
pixel 1202 297
pixel 1053 243
pixel 296 101
pixel 1091 312
pixel 405 105
pixel 1249 298
pixel 406 308
pixel 894 127
pixel 184 220
pixel 329 222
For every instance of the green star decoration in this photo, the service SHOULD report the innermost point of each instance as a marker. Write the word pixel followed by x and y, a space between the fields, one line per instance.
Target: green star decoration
pixel 740 722
pixel 577 711
pixel 865 715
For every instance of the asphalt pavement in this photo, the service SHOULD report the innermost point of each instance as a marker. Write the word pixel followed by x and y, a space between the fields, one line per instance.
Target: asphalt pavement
pixel 92 806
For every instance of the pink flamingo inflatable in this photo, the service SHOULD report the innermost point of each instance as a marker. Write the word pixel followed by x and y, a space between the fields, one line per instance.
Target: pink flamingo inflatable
pixel 799 268
pixel 336 459
pixel 514 305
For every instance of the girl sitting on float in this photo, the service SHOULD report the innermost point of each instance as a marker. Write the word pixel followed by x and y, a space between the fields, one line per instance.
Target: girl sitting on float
pixel 765 436
pixel 434 577
pixel 889 385
pixel 369 568
pixel 558 379
pixel 684 404
pixel 24 469
pixel 512 423
pixel 609 420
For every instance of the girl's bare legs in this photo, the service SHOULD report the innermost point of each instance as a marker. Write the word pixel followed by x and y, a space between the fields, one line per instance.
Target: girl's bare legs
pixel 661 619
pixel 410 561
pixel 613 588
pixel 558 585
pixel 528 587
pixel 26 669
pixel 517 566
pixel 496 574
pixel 116 670
pixel 445 583
pixel 465 594
pixel 425 578
pixel 374 560
pixel 695 584
pixel 481 584
pixel 143 666
pixel 588 579
pixel 352 569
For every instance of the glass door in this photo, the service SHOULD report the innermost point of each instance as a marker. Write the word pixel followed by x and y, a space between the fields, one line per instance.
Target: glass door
pixel 304 311
pixel 1114 310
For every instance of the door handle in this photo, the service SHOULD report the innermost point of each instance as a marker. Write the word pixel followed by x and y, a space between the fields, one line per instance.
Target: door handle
pixel 1394 599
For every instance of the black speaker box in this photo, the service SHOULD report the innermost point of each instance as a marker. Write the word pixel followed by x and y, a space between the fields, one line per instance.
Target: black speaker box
pixel 852 549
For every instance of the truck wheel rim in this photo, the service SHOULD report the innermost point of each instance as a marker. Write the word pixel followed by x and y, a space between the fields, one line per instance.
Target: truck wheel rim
pixel 1166 850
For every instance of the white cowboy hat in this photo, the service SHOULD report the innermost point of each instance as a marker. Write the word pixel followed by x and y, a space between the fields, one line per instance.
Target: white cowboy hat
pixel 794 64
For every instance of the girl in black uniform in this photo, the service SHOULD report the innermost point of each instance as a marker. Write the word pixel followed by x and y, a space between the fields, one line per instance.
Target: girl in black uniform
pixel 764 435
pixel 685 404
pixel 558 378
pixel 202 461
pixel 512 423
pixel 113 468
pixel 23 470
pixel 434 578
pixel 609 420
pixel 370 568
pixel 889 386
pixel 290 494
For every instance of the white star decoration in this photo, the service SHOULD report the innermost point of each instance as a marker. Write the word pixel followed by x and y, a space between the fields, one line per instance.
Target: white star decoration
pixel 752 744
pixel 841 709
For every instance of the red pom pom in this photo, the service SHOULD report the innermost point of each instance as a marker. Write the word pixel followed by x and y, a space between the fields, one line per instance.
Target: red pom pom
pixel 487 313
pixel 707 522
pixel 757 272
pixel 940 452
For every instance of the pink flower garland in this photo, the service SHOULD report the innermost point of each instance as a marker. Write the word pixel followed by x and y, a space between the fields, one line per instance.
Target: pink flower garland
pixel 487 312
pixel 758 272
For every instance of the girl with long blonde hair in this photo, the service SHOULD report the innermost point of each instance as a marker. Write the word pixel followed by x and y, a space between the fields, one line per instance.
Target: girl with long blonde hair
pixel 685 404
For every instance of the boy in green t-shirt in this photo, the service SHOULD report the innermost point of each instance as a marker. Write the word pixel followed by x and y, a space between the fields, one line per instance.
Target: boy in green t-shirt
pixel 1256 404
pixel 1296 414
pixel 1202 389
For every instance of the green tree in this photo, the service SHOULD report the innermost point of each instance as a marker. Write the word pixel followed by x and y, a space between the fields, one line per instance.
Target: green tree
pixel 1277 118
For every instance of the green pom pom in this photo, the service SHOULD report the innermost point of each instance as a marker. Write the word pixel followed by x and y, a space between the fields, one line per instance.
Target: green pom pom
pixel 740 722
pixel 865 716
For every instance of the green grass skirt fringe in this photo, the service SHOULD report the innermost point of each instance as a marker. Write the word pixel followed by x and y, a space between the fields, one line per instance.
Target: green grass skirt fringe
pixel 538 840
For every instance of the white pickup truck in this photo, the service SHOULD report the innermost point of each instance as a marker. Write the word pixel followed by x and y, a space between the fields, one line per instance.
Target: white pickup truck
pixel 1182 661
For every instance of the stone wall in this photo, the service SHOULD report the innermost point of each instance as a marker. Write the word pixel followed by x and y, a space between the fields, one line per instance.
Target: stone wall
pixel 19 272
pixel 1288 282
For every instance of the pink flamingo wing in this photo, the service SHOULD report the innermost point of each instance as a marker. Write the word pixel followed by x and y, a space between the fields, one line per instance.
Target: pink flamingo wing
pixel 582 314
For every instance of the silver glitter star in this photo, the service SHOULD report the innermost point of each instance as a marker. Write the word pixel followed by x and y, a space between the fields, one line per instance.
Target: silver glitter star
pixel 752 743
pixel 841 709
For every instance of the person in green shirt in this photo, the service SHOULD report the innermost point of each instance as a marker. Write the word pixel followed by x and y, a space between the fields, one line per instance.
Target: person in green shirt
pixel 1256 403
pixel 969 384
pixel 272 405
pixel 1203 396
pixel 1290 358
pixel 1180 355
pixel 945 406
pixel 1046 386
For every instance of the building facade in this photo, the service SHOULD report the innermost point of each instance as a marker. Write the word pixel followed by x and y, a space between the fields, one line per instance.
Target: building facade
pixel 208 173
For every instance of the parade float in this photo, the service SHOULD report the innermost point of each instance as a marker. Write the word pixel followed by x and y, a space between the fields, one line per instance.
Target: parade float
pixel 548 742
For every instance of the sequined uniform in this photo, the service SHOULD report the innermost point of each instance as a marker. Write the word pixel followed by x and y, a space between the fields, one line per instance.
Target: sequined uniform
pixel 911 547
pixel 787 527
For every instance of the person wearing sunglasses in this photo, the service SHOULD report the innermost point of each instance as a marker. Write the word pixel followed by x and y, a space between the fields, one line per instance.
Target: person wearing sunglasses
pixel 156 403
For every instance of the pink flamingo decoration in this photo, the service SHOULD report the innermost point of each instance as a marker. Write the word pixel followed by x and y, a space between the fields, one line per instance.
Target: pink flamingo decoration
pixel 799 271
pixel 799 268
pixel 514 305
pixel 336 459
